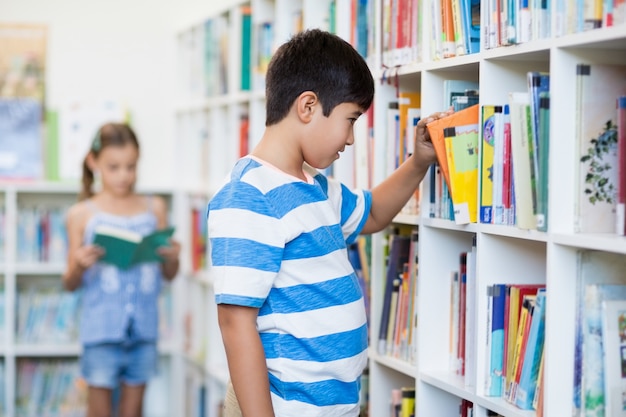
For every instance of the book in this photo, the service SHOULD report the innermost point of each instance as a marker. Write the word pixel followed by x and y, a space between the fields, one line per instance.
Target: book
pixel 614 345
pixel 124 248
pixel 620 227
pixel 532 358
pixel 597 91
pixel 498 294
pixel 597 273
pixel 462 155
pixel 398 255
pixel 519 103
pixel 435 128
pixel 542 177
pixel 486 163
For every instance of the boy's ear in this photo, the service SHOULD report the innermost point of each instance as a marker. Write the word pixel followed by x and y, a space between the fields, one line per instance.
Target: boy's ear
pixel 306 104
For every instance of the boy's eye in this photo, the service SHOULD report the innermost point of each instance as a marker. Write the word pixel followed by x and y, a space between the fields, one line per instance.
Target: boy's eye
pixel 352 121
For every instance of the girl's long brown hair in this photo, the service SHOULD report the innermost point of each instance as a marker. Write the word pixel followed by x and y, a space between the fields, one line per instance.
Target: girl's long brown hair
pixel 109 134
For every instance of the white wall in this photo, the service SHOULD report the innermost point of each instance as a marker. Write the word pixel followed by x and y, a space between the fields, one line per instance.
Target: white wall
pixel 122 50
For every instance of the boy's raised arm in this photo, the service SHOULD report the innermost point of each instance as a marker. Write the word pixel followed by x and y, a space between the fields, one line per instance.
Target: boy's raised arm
pixel 392 194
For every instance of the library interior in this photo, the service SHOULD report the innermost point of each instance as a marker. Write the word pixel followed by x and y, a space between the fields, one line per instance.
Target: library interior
pixel 499 288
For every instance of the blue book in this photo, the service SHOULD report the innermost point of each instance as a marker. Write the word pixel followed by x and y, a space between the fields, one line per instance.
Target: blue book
pixel 532 357
pixel 498 295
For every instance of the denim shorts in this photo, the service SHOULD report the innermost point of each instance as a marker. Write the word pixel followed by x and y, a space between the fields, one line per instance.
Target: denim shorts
pixel 106 365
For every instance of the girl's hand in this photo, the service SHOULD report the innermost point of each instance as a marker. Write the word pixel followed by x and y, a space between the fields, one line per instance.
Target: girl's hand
pixel 170 253
pixel 87 255
pixel 424 150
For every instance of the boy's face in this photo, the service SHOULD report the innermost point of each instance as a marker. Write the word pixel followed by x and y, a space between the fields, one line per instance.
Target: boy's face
pixel 326 137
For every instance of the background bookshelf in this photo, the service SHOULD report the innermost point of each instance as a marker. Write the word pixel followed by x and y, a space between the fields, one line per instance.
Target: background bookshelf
pixel 38 319
pixel 503 254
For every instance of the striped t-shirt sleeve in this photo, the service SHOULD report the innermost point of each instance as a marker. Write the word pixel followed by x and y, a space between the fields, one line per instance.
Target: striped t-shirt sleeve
pixel 246 243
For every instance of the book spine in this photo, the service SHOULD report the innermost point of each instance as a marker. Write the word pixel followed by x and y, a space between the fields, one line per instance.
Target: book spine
pixel 544 145
pixel 621 146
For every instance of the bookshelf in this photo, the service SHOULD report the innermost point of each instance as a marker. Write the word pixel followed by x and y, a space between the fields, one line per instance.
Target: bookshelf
pixel 30 284
pixel 504 254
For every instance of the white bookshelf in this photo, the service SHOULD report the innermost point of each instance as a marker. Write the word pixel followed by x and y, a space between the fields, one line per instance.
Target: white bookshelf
pixel 505 254
pixel 16 274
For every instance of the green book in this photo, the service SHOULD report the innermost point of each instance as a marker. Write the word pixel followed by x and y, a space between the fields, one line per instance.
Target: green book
pixel 124 248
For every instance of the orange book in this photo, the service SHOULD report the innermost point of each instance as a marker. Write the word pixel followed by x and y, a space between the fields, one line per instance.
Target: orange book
pixel 467 116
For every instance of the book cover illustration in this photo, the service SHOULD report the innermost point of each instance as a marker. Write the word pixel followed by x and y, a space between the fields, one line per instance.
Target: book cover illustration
pixel 486 165
pixel 598 88
pixel 124 248
pixel 614 342
pixel 462 156
pixel 467 116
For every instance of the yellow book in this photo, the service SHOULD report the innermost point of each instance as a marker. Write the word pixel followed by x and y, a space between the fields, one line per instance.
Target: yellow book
pixel 406 100
pixel 462 155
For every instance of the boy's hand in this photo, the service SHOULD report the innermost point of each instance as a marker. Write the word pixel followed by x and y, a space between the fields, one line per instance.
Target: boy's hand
pixel 88 255
pixel 170 253
pixel 424 151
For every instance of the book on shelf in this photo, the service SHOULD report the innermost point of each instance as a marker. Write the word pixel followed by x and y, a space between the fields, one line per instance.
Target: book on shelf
pixel 520 118
pixel 398 256
pixel 498 295
pixel 487 123
pixel 614 349
pixel 544 154
pixel 513 303
pixel 532 358
pixel 620 227
pixel 600 277
pixel 467 116
pixel 538 82
pixel 124 248
pixel 597 92
pixel 461 142
pixel 246 48
pixel 521 339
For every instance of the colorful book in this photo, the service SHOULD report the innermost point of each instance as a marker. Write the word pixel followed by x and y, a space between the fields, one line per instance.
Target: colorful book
pixel 544 146
pixel 598 88
pixel 614 345
pixel 498 294
pixel 124 248
pixel 532 357
pixel 520 147
pixel 462 154
pixel 398 256
pixel 486 163
pixel 620 228
pixel 435 128
pixel 538 82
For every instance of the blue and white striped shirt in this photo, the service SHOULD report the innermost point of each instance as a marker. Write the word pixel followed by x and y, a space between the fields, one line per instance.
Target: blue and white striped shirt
pixel 279 244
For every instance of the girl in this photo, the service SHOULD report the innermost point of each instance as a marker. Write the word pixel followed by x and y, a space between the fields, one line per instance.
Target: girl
pixel 119 322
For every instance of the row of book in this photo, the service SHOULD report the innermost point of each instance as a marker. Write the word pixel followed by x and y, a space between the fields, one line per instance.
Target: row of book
pixel 402 402
pixel 515 344
pixel 494 159
pixel 398 322
pixel 600 343
pixel 50 388
pixel 41 234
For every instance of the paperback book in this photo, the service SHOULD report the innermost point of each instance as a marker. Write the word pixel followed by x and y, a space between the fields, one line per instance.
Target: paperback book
pixel 125 249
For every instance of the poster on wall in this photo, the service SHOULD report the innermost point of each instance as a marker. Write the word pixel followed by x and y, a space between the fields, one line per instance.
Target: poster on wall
pixel 22 93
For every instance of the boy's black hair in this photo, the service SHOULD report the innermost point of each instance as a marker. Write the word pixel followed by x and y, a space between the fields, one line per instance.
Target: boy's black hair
pixel 318 61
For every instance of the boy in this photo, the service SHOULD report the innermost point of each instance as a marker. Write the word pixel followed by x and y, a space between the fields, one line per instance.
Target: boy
pixel 290 309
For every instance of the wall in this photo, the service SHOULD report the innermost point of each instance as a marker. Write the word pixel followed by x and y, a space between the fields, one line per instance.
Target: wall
pixel 122 50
